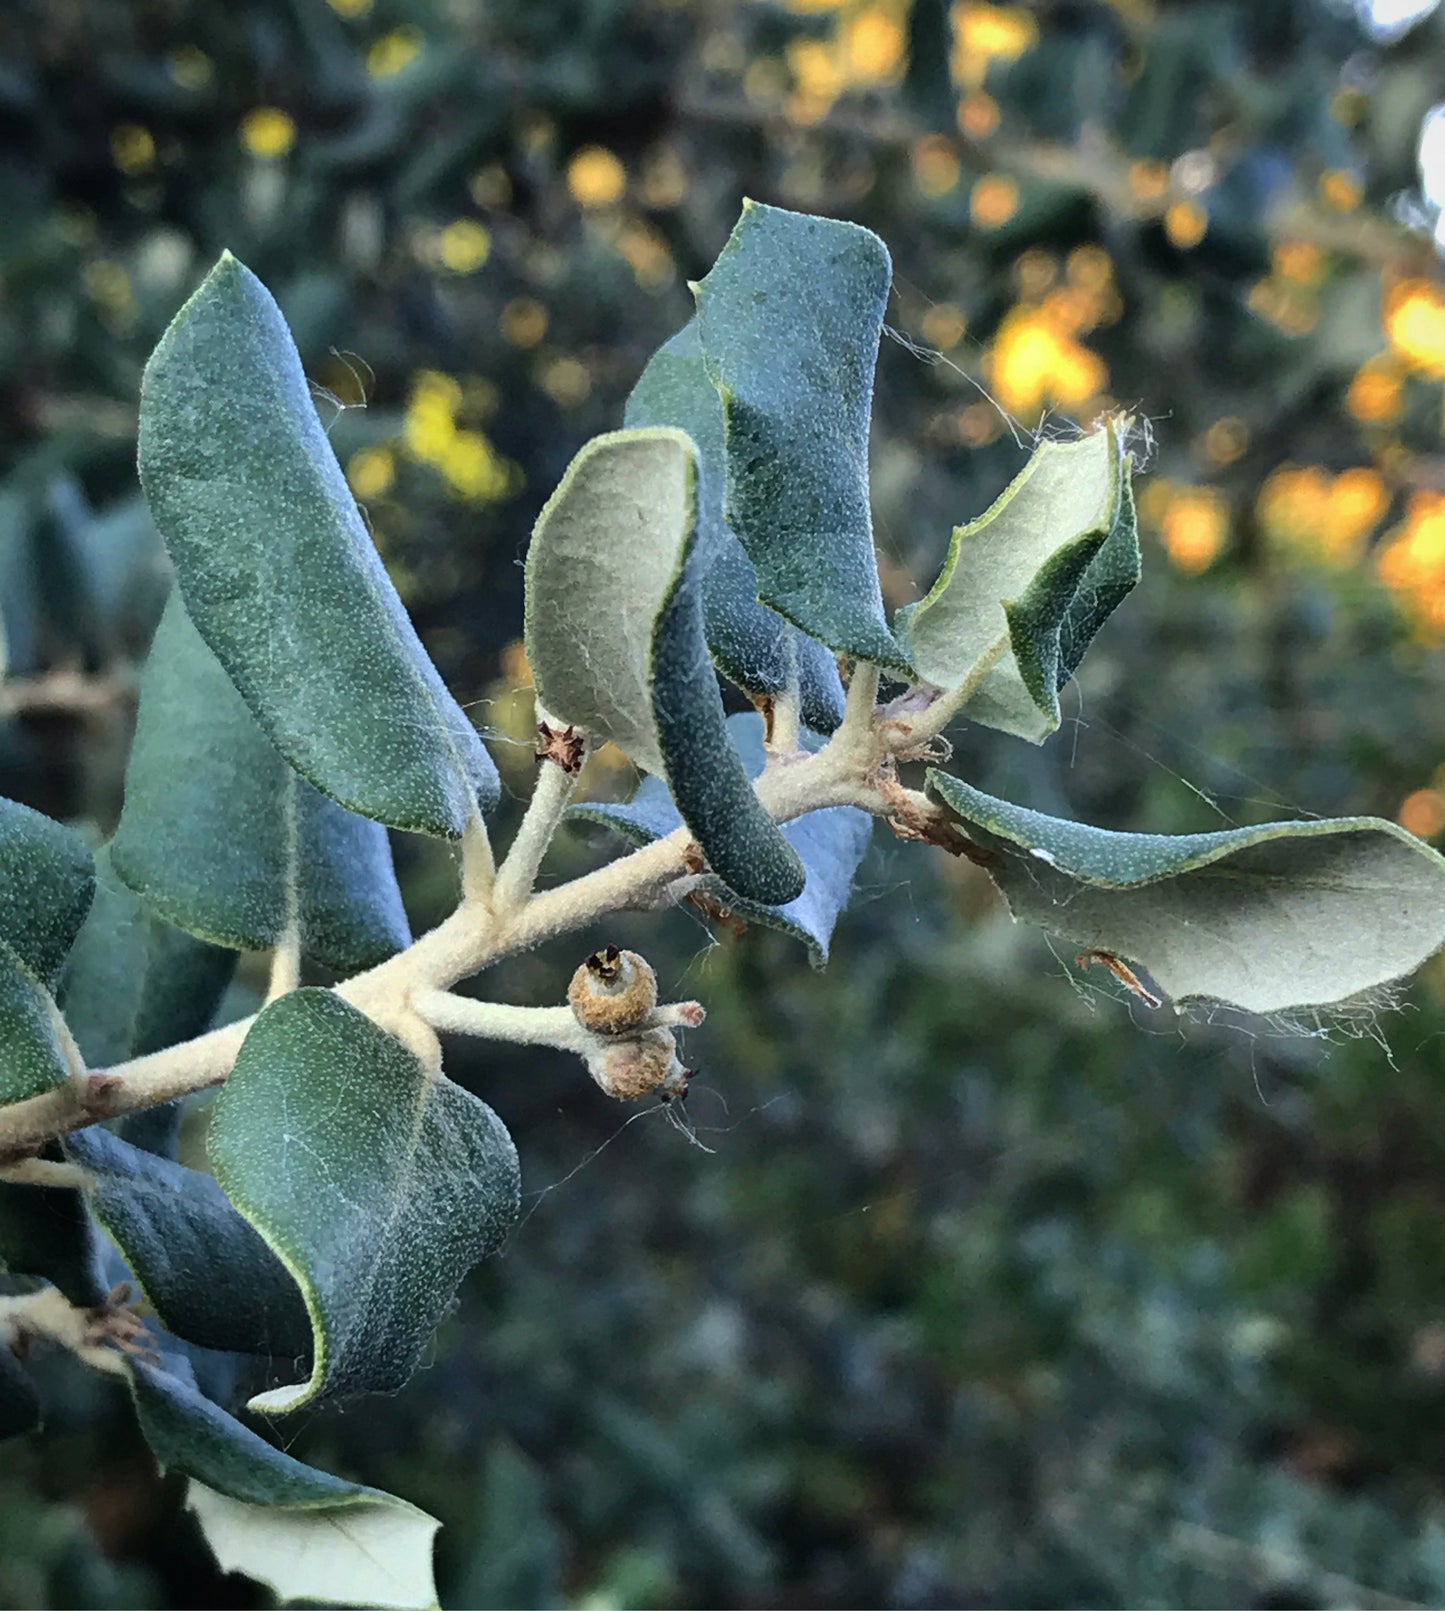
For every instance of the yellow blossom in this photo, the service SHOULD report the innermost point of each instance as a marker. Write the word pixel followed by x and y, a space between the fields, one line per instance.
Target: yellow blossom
pixel 371 472
pixel 1035 363
pixel 596 177
pixel 993 201
pixel 133 148
pixel 1186 224
pixel 268 132
pixel 464 246
pixel 1194 528
pixel 1415 324
pixel 393 52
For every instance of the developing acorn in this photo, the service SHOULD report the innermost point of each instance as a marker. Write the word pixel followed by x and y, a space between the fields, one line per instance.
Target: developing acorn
pixel 613 991
pixel 640 1065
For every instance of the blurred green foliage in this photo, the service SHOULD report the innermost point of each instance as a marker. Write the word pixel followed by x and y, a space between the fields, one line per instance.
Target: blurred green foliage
pixel 993 1288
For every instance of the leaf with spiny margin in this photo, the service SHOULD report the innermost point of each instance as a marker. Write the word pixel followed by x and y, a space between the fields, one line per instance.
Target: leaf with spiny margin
pixel 46 1231
pixel 19 1404
pixel 1036 575
pixel 615 639
pixel 209 1276
pixel 224 840
pixel 32 1058
pixel 1281 916
pixel 280 575
pixel 752 645
pixel 789 318
pixel 134 984
pixel 304 1533
pixel 377 1182
pixel 830 843
pixel 47 880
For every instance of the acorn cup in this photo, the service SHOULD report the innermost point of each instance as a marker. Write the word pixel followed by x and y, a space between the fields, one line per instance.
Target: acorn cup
pixel 613 992
pixel 640 1065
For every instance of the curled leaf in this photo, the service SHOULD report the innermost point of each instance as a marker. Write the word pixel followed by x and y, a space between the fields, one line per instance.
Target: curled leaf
pixel 376 1182
pixel 616 642
pixel 1029 583
pixel 789 319
pixel 752 645
pixel 1270 918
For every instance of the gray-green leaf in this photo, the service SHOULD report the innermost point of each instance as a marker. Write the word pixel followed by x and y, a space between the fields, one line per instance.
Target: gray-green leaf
pixel 789 317
pixel 615 640
pixel 47 880
pixel 32 1059
pixel 307 1534
pixel 1035 576
pixel 210 1278
pixel 830 843
pixel 224 840
pixel 132 983
pixel 751 644
pixel 281 576
pixel 377 1182
pixel 1284 915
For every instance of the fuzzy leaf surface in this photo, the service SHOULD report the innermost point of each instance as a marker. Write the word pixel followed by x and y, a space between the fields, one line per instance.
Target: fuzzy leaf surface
pixel 1039 572
pixel 224 840
pixel 830 843
pixel 32 1060
pixel 46 883
pixel 280 575
pixel 377 1182
pixel 133 984
pixel 209 1276
pixel 616 641
pixel 1285 915
pixel 789 318
pixel 304 1533
pixel 752 645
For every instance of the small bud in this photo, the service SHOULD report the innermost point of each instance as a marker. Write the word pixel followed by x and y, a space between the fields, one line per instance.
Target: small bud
pixel 567 746
pixel 613 991
pixel 639 1066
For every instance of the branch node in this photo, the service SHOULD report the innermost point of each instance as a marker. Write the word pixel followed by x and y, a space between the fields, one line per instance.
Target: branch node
pixel 567 746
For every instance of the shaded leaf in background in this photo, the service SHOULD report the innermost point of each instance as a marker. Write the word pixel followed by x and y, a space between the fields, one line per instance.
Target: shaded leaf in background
pixel 752 645
pixel 376 1181
pixel 19 1405
pixel 209 1276
pixel 514 1559
pixel 19 589
pixel 789 318
pixel 116 571
pixel 261 524
pixel 615 640
pixel 134 984
pixel 1284 915
pixel 829 843
pixel 47 1232
pixel 224 840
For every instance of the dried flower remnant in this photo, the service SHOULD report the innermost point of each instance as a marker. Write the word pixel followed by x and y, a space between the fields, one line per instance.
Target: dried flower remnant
pixel 613 991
